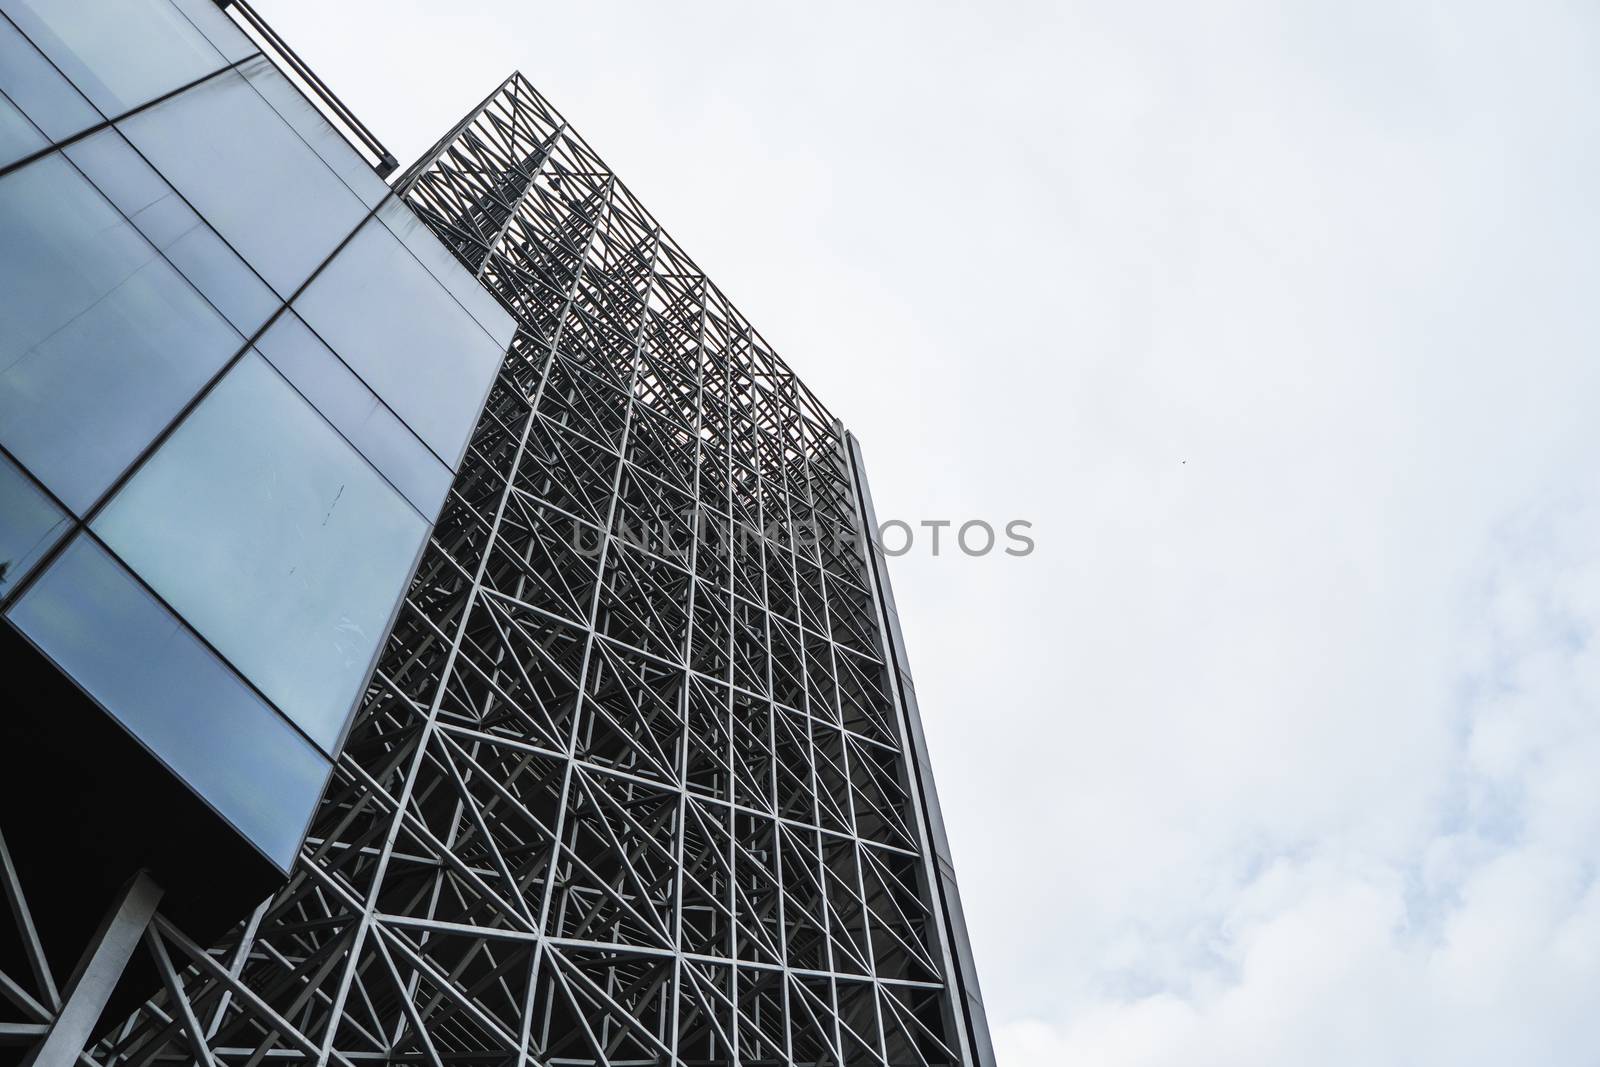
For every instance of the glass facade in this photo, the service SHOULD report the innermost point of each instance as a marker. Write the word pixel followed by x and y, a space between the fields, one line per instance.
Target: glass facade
pixel 37 90
pixel 252 177
pixel 18 136
pixel 387 333
pixel 147 669
pixel 250 492
pixel 30 524
pixel 257 495
pixel 356 412
pixel 102 341
pixel 122 54
pixel 168 222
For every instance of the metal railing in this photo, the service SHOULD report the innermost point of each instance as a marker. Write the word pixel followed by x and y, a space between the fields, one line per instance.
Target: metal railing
pixel 365 140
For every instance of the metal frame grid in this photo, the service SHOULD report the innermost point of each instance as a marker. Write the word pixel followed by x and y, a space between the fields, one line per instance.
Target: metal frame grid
pixel 631 782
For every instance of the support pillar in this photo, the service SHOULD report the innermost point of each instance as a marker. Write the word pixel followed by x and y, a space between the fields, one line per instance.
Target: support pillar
pixel 96 975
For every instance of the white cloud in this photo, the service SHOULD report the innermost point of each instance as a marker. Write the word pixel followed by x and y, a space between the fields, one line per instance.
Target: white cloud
pixel 1478 944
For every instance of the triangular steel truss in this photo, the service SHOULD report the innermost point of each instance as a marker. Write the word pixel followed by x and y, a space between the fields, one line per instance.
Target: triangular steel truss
pixel 631 783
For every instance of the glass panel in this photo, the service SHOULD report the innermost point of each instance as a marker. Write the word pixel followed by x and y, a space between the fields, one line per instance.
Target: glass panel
pixel 356 412
pixel 250 176
pixel 38 89
pixel 140 663
pixel 219 29
pixel 121 53
pixel 236 290
pixel 404 224
pixel 398 328
pixel 18 136
pixel 29 524
pixel 162 216
pixel 102 342
pixel 128 182
pixel 310 124
pixel 275 540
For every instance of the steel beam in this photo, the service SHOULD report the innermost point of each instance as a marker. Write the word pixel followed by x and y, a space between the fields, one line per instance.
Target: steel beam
pixel 97 973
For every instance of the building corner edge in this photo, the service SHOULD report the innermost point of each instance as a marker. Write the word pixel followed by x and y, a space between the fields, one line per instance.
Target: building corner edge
pixel 972 1027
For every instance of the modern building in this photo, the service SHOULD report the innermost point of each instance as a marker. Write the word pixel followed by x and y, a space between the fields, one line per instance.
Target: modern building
pixel 443 561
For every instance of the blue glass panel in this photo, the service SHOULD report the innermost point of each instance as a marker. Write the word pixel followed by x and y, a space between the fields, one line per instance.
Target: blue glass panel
pixel 172 226
pixel 39 90
pixel 129 183
pixel 29 524
pixel 407 337
pixel 290 103
pixel 102 342
pixel 219 29
pixel 121 53
pixel 143 666
pixel 18 136
pixel 236 290
pixel 275 540
pixel 479 302
pixel 357 413
pixel 250 176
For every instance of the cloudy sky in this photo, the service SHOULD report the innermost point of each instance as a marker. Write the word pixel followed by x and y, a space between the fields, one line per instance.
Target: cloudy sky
pixel 1279 322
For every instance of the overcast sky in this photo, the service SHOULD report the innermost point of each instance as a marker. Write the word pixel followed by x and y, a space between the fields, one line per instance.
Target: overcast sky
pixel 1279 322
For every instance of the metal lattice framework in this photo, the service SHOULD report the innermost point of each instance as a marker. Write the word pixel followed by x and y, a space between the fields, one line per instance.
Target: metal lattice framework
pixel 630 784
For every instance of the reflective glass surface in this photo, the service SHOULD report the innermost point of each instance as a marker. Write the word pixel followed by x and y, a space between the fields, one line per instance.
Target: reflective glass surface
pixel 407 337
pixel 310 124
pixel 38 89
pixel 102 342
pixel 249 175
pixel 274 539
pixel 218 272
pixel 218 28
pixel 161 215
pixel 18 136
pixel 121 53
pixel 357 413
pixel 415 235
pixel 139 662
pixel 29 524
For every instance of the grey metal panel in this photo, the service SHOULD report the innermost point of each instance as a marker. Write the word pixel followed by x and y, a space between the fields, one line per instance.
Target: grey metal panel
pixel 966 980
